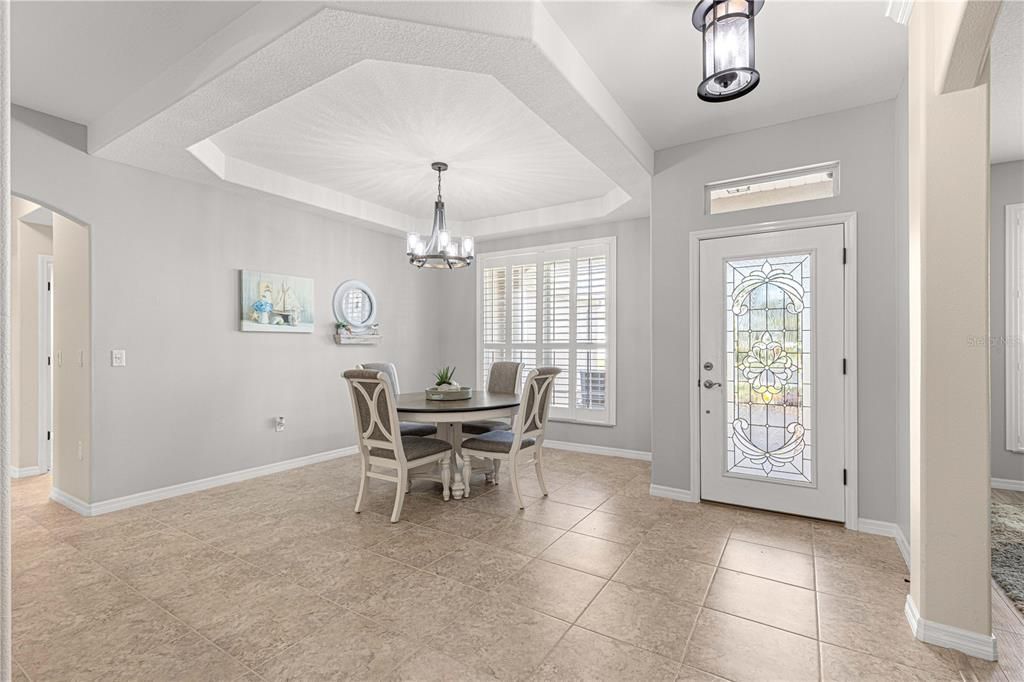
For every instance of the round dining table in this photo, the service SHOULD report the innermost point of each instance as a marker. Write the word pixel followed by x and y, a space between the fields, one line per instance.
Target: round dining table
pixel 449 416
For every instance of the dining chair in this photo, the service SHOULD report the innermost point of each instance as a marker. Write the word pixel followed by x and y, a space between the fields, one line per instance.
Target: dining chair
pixel 503 378
pixel 373 405
pixel 526 438
pixel 391 372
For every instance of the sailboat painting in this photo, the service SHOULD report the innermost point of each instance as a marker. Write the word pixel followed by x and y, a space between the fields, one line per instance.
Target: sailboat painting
pixel 276 303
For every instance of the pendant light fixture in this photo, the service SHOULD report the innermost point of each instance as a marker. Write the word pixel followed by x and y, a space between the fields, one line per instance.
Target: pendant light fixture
pixel 728 30
pixel 440 249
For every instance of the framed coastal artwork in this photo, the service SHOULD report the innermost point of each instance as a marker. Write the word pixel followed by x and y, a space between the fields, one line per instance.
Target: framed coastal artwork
pixel 276 303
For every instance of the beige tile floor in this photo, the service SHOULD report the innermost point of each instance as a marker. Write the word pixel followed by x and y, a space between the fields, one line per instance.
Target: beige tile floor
pixel 277 579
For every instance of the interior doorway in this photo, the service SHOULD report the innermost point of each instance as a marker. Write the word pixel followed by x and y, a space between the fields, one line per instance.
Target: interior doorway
pixel 52 361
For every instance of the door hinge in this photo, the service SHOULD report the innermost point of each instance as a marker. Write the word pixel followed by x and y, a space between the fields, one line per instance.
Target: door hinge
pixel 48 434
pixel 49 360
pixel 844 255
pixel 844 476
pixel 844 365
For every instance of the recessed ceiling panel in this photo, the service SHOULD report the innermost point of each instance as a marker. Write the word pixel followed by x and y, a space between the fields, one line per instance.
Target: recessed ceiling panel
pixel 372 130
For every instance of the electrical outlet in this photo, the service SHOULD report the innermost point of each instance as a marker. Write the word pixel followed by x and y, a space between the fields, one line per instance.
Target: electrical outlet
pixel 118 358
pixel 279 424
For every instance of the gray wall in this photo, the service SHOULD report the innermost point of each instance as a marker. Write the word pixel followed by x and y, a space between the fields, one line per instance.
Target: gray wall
pixel 197 396
pixel 864 141
pixel 1007 188
pixel 632 430
pixel 902 207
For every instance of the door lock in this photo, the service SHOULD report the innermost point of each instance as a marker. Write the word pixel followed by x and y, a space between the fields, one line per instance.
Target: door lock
pixel 708 383
pixel 708 366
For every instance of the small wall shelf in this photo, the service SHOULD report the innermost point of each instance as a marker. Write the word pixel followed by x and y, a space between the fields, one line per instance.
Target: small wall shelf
pixel 357 340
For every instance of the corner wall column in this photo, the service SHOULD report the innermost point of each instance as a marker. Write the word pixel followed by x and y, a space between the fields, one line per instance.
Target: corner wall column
pixel 5 340
pixel 950 600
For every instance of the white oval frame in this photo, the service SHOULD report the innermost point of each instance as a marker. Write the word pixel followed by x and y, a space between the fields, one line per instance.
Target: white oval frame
pixel 339 310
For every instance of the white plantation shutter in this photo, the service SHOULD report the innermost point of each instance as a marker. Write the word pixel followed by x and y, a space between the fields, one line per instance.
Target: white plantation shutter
pixel 554 307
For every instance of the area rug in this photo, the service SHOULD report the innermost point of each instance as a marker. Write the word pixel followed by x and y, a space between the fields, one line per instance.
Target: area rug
pixel 1008 550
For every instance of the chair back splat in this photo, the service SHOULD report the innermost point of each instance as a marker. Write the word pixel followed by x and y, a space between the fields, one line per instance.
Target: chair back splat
pixel 504 377
pixel 532 416
pixel 374 406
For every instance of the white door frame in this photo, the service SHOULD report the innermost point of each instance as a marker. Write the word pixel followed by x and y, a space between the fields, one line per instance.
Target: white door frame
pixel 44 340
pixel 1012 284
pixel 849 223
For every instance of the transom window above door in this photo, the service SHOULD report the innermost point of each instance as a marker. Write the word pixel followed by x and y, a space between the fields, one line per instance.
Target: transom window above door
pixel 554 306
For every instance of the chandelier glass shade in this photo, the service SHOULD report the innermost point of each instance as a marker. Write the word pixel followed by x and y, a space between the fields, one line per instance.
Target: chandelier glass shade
pixel 439 249
pixel 727 27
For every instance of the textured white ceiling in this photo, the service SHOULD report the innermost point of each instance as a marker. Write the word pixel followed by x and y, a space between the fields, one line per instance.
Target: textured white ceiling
pixel 76 60
pixel 1007 89
pixel 814 57
pixel 372 130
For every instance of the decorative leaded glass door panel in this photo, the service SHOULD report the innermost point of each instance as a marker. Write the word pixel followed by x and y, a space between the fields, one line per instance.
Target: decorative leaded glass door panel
pixel 771 353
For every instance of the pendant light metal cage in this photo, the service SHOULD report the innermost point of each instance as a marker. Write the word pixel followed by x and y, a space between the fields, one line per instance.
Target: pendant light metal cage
pixel 727 27
pixel 440 249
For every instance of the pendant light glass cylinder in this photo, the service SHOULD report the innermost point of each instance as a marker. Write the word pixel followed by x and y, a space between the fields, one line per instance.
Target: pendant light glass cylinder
pixel 727 27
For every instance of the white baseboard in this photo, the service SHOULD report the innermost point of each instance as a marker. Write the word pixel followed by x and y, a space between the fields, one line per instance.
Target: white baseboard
pixel 70 501
pixel 598 450
pixel 136 499
pixel 971 643
pixel 1007 484
pixel 890 530
pixel 24 472
pixel 672 493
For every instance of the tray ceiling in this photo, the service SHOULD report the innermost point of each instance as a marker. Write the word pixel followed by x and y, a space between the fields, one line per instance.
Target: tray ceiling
pixel 344 111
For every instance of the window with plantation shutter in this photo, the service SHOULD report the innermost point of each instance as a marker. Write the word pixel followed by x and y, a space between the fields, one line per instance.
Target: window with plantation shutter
pixel 554 307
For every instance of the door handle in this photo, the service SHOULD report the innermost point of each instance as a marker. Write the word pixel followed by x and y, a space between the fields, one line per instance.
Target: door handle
pixel 708 383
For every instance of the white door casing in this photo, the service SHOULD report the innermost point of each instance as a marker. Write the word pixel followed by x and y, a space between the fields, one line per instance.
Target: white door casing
pixel 44 357
pixel 773 403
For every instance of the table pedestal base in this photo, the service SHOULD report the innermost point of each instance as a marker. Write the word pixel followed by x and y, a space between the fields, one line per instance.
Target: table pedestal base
pixel 462 472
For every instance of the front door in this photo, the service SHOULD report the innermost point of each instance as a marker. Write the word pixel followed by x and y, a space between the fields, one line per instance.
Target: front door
pixel 772 409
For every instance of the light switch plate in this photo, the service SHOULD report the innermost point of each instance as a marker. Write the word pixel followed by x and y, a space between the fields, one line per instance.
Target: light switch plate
pixel 118 358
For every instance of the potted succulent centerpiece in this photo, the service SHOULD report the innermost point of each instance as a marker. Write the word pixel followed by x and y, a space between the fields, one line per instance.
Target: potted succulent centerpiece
pixel 446 388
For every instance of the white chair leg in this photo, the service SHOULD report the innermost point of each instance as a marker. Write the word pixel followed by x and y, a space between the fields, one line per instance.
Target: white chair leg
pixel 400 488
pixel 467 473
pixel 515 481
pixel 362 486
pixel 539 467
pixel 446 476
pixel 496 463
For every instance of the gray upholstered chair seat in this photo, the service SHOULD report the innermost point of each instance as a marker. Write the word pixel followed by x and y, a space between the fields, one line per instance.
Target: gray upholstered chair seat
pixel 415 448
pixel 484 426
pixel 417 429
pixel 495 441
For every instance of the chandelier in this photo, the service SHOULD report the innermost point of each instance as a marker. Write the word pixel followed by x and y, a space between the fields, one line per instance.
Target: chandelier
pixel 728 30
pixel 440 249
